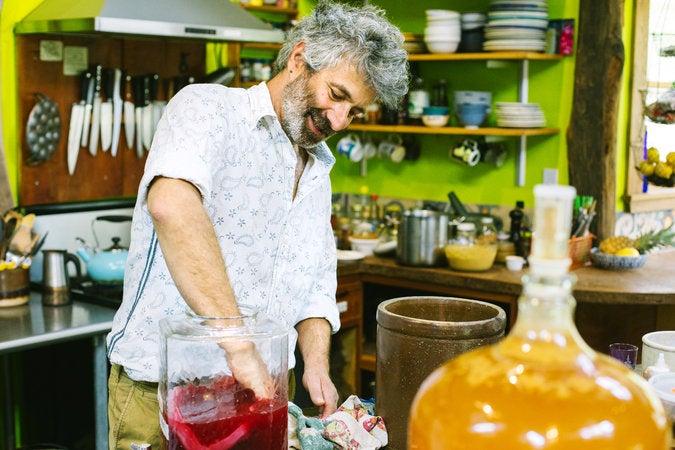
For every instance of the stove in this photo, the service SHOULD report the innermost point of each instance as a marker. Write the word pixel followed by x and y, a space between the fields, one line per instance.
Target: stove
pixel 86 290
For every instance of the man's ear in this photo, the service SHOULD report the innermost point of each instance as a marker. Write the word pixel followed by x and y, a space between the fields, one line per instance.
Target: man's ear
pixel 296 61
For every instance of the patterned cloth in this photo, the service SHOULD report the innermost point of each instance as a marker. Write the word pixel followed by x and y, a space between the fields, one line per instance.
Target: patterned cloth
pixel 279 251
pixel 353 426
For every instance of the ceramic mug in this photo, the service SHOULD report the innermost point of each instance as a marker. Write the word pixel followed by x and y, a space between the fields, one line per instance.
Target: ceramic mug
pixel 467 152
pixel 369 149
pixel 350 146
pixel 392 148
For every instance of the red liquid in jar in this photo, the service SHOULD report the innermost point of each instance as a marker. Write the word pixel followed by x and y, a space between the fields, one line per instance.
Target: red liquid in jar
pixel 223 416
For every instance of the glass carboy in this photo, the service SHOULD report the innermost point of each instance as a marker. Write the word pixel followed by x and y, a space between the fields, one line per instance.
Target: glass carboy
pixel 541 387
pixel 204 403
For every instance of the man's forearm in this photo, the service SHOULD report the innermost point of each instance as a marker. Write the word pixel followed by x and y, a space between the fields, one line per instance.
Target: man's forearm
pixel 314 343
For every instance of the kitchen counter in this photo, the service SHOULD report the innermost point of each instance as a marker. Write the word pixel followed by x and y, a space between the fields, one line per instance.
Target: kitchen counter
pixel 612 306
pixel 33 325
pixel 652 284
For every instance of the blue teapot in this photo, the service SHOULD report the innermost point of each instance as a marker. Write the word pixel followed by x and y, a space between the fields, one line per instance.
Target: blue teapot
pixel 105 266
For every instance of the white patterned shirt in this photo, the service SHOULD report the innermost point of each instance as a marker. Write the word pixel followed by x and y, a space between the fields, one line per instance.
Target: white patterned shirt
pixel 279 251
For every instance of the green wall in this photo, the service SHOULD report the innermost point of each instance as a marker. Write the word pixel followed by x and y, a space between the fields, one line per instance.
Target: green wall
pixel 433 175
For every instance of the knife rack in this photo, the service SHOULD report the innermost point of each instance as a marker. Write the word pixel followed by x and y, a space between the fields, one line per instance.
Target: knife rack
pixel 100 176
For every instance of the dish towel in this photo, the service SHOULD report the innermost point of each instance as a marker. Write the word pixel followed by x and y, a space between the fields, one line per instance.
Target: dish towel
pixel 353 426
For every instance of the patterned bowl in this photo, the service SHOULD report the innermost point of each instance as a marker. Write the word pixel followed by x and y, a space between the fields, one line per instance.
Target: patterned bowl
pixel 613 262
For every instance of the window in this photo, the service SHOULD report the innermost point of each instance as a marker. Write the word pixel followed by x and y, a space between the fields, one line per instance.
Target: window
pixel 653 75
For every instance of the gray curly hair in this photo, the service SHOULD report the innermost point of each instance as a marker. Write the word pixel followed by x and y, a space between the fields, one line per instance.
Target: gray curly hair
pixel 337 33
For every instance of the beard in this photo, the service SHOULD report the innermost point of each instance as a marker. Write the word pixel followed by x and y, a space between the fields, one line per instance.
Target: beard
pixel 296 112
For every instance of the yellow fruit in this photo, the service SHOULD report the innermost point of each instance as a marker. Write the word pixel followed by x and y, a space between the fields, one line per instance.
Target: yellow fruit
pixel 627 251
pixel 613 244
pixel 646 168
pixel 653 155
pixel 663 170
pixel 670 158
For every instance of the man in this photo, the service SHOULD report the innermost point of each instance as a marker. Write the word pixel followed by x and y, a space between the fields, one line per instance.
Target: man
pixel 234 209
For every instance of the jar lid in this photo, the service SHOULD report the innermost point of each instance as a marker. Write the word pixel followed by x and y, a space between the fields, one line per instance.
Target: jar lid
pixel 466 226
pixel 486 220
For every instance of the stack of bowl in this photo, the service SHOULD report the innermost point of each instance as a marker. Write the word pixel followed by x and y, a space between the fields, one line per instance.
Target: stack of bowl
pixel 472 107
pixel 443 31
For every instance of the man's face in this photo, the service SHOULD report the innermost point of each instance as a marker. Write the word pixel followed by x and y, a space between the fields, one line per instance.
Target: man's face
pixel 319 104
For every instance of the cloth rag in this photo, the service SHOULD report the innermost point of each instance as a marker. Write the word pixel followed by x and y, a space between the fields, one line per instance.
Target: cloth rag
pixel 353 426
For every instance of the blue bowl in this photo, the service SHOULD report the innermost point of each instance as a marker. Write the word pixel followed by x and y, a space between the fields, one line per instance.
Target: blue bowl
pixel 436 111
pixel 471 114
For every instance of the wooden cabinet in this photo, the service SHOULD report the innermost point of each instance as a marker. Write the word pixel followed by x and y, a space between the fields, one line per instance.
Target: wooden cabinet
pixel 523 59
pixel 346 344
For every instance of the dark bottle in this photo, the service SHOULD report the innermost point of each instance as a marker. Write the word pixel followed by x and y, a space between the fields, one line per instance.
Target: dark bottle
pixel 440 97
pixel 516 216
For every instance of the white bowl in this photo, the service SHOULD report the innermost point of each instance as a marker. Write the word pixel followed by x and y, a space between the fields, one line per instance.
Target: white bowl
pixel 442 34
pixel 514 262
pixel 658 342
pixel 444 13
pixel 664 386
pixel 445 46
pixel 435 120
pixel 365 246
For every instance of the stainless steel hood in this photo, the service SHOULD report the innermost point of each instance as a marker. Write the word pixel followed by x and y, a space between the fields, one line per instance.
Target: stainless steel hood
pixel 212 20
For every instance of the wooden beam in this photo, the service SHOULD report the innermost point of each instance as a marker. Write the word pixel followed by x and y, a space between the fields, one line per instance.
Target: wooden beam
pixel 592 134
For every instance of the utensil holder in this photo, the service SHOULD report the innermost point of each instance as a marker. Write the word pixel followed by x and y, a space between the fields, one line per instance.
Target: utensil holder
pixel 580 251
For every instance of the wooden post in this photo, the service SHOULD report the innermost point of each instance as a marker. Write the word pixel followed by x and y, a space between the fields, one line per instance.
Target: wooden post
pixel 592 134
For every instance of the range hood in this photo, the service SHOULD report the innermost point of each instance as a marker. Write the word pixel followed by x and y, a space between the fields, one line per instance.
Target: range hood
pixel 212 20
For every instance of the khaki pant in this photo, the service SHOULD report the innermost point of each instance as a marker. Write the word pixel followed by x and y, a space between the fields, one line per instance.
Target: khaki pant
pixel 133 411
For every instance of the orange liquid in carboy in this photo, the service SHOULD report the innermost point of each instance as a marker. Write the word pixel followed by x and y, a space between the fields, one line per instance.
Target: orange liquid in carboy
pixel 524 394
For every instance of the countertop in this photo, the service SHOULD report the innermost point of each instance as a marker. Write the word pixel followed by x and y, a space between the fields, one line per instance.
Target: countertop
pixel 32 325
pixel 652 284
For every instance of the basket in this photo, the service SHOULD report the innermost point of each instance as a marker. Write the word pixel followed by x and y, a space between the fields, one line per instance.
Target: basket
pixel 580 251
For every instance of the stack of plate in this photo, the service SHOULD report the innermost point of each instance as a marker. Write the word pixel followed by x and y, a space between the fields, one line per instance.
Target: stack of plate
pixel 519 115
pixel 516 25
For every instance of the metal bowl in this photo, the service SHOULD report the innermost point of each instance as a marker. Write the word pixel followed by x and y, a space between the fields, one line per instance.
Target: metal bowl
pixel 613 262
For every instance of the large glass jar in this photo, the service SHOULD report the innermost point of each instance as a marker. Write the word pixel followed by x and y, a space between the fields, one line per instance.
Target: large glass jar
pixel 541 387
pixel 202 403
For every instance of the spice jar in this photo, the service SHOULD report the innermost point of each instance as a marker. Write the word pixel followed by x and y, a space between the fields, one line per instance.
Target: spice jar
pixel 202 401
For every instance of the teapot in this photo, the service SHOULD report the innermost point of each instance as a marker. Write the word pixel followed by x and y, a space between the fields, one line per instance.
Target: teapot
pixel 105 266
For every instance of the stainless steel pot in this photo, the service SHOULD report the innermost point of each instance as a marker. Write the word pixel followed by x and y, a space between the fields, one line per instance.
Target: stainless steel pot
pixel 422 236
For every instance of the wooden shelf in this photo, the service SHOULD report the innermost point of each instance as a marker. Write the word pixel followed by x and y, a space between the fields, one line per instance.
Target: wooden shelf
pixel 485 131
pixel 483 56
pixel 261 46
pixel 271 9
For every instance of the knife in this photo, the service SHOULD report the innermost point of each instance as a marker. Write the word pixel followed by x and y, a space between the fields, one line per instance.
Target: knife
pixel 96 112
pixel 147 113
pixel 157 105
pixel 87 112
pixel 129 116
pixel 106 109
pixel 76 119
pixel 139 104
pixel 117 111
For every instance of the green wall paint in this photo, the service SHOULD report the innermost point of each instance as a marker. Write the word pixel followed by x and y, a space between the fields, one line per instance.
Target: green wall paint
pixel 433 175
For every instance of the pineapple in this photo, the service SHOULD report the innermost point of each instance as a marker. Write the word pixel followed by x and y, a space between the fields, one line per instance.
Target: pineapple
pixel 643 243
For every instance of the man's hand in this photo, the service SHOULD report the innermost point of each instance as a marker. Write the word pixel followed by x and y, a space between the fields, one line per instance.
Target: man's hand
pixel 314 342
pixel 321 390
pixel 249 369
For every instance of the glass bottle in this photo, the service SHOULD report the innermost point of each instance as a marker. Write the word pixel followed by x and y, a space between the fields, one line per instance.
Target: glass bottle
pixel 418 99
pixel 542 386
pixel 488 232
pixel 440 94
